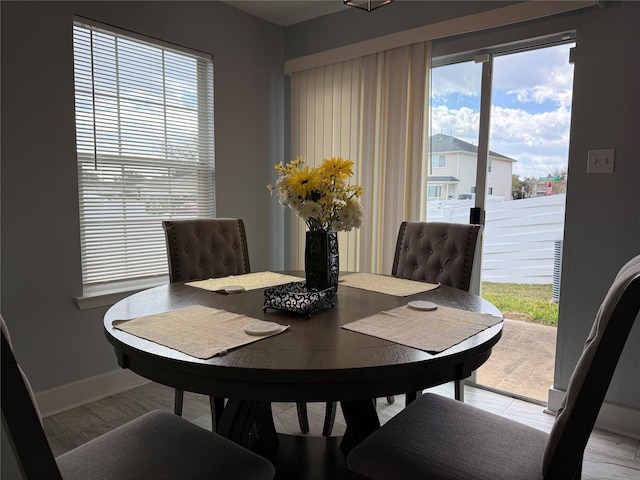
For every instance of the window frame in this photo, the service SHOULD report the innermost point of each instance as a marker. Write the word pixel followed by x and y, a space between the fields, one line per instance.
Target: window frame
pixel 441 161
pixel 436 188
pixel 180 170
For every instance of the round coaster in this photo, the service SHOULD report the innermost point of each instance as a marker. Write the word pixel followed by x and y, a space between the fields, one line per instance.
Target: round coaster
pixel 262 328
pixel 233 289
pixel 422 305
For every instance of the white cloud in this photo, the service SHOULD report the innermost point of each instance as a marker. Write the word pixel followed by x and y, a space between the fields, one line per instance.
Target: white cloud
pixel 460 78
pixel 536 75
pixel 538 141
pixel 534 134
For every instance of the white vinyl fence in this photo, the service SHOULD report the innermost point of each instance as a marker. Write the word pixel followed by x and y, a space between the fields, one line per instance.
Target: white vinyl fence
pixel 522 238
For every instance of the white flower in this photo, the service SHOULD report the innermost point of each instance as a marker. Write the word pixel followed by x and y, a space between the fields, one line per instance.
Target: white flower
pixel 350 217
pixel 310 210
pixel 321 195
pixel 294 202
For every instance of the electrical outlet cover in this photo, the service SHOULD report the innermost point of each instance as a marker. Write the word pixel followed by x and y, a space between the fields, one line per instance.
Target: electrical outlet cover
pixel 601 161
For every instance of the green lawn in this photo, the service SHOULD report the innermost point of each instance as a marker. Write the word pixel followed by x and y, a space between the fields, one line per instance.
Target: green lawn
pixel 531 303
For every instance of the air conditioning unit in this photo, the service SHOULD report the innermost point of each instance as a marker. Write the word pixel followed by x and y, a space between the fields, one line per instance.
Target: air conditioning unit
pixel 557 270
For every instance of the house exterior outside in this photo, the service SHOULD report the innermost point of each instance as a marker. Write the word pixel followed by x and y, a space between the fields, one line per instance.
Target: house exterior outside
pixel 452 170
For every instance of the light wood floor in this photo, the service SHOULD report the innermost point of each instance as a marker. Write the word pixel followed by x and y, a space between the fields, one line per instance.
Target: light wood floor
pixel 608 456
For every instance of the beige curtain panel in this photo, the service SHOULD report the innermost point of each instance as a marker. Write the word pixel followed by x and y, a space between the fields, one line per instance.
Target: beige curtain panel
pixel 372 110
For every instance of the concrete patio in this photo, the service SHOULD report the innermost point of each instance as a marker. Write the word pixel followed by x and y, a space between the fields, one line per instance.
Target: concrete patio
pixel 523 360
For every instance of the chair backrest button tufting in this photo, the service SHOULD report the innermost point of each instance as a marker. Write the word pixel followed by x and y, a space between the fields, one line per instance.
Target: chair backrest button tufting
pixel 437 247
pixel 198 249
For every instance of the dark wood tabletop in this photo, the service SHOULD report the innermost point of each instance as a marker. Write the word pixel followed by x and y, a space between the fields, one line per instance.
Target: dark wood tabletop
pixel 313 360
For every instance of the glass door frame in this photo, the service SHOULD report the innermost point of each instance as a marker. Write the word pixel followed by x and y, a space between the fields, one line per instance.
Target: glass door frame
pixel 477 213
pixel 486 57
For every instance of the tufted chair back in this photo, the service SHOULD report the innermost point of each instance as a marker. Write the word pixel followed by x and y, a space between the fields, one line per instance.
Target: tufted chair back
pixel 436 252
pixel 206 248
pixel 590 380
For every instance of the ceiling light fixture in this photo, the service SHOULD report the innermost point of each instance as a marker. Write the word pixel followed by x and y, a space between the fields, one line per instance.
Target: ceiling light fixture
pixel 367 5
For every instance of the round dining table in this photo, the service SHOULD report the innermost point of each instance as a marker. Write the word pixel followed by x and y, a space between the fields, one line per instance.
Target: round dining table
pixel 313 360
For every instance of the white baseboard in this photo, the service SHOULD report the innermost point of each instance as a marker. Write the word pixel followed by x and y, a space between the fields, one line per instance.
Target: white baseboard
pixel 85 391
pixel 612 418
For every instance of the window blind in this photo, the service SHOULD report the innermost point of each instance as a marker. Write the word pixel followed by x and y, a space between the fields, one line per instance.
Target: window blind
pixel 145 150
pixel 372 110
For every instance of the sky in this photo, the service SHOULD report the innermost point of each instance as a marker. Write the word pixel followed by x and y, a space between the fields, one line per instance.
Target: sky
pixel 530 113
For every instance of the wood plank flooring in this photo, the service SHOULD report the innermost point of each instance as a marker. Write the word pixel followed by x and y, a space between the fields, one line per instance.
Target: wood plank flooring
pixel 608 456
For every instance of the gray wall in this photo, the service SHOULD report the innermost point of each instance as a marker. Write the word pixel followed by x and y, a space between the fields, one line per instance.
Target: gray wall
pixel 602 227
pixel 41 275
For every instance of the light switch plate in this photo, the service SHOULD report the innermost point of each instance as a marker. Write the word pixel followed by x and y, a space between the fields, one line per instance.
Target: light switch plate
pixel 601 161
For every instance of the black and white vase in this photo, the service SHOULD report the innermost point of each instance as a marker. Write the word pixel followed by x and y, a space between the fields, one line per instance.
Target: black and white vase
pixel 321 260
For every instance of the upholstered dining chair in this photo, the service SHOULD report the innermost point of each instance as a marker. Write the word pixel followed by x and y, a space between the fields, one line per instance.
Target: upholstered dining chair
pixel 156 445
pixel 439 438
pixel 437 252
pixel 432 252
pixel 203 248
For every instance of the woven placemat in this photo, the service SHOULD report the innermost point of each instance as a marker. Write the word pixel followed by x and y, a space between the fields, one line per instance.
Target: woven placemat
pixel 400 287
pixel 431 331
pixel 199 331
pixel 250 281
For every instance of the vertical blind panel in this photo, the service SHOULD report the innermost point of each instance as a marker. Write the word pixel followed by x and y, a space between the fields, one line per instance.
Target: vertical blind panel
pixel 325 123
pixel 370 110
pixel 144 135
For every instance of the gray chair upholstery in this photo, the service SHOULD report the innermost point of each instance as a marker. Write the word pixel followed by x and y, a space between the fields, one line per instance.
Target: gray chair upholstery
pixel 156 445
pixel 436 252
pixel 439 438
pixel 432 252
pixel 203 248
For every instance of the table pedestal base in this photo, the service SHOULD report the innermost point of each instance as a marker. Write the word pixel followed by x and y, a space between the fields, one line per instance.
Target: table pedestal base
pixel 361 419
pixel 297 456
pixel 311 458
pixel 250 424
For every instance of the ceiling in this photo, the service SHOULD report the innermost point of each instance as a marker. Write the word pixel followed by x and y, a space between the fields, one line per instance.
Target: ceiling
pixel 287 12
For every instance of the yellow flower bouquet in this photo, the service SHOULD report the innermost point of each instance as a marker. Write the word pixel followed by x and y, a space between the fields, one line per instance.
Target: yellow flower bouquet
pixel 322 195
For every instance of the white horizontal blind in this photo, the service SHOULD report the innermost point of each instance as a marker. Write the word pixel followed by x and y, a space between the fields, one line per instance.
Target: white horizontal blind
pixel 145 144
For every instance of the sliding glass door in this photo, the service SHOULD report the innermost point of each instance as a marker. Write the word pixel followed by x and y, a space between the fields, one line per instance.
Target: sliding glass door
pixel 499 137
pixel 454 131
pixel 459 123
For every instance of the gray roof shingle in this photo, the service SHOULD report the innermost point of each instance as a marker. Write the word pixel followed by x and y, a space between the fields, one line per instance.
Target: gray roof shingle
pixel 447 143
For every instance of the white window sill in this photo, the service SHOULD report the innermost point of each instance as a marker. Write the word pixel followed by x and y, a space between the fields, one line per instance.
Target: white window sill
pixel 102 297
